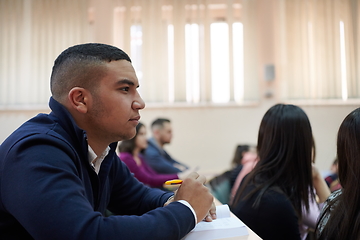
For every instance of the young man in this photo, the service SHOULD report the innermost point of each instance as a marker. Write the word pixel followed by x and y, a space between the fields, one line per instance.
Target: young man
pixel 59 172
pixel 155 154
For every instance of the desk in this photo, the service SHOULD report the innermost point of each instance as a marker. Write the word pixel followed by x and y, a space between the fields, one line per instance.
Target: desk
pixel 251 236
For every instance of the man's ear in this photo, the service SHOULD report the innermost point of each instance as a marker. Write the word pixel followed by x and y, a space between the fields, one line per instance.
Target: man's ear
pixel 79 99
pixel 156 132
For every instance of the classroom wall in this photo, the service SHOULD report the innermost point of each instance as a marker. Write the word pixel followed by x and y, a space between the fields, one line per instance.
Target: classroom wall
pixel 206 136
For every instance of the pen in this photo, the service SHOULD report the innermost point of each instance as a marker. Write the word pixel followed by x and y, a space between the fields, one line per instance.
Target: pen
pixel 173 182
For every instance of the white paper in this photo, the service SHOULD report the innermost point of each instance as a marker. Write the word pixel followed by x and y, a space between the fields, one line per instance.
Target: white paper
pixel 222 227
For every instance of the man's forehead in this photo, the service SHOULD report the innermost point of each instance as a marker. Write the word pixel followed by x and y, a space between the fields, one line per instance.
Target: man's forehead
pixel 123 72
pixel 167 125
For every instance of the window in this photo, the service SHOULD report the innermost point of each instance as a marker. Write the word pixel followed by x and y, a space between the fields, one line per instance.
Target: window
pixel 220 67
pixel 344 92
pixel 204 53
pixel 238 62
pixel 136 49
pixel 192 62
pixel 32 35
pixel 319 58
pixel 192 51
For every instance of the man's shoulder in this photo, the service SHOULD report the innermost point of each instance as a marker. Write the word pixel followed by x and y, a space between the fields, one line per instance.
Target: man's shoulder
pixel 152 147
pixel 152 143
pixel 36 129
pixel 36 125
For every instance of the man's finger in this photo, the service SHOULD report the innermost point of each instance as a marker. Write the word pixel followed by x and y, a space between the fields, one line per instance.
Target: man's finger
pixel 212 211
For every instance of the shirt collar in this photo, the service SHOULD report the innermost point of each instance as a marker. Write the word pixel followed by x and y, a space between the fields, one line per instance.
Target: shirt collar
pixel 94 160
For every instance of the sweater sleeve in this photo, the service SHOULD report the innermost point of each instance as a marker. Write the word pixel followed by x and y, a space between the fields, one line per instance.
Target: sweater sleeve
pixel 144 173
pixel 43 194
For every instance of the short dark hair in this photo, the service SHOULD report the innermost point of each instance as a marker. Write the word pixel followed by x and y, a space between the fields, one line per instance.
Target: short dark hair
pixel 159 122
pixel 82 65
pixel 129 145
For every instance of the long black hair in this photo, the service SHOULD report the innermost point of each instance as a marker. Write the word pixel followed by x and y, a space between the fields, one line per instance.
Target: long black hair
pixel 344 221
pixel 286 150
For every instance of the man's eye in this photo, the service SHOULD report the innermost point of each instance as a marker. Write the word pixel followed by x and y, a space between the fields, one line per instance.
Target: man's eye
pixel 125 89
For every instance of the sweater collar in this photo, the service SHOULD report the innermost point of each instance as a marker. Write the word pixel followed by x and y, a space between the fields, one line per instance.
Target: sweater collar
pixel 68 123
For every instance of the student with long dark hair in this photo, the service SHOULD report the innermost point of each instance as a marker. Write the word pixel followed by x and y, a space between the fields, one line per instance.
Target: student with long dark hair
pixel 340 218
pixel 273 197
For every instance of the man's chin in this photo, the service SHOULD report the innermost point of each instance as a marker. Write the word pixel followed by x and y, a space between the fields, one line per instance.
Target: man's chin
pixel 129 136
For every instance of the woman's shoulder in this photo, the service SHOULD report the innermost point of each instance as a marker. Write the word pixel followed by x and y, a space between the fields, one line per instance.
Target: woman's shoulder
pixel 125 154
pixel 126 157
pixel 328 207
pixel 332 199
pixel 333 195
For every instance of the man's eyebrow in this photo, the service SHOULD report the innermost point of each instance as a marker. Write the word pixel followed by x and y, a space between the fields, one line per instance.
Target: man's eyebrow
pixel 126 81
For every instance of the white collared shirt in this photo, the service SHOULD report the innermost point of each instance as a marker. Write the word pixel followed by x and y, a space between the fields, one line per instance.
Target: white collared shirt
pixel 94 160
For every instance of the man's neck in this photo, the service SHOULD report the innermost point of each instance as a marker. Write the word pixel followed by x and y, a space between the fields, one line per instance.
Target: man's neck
pixel 159 143
pixel 98 148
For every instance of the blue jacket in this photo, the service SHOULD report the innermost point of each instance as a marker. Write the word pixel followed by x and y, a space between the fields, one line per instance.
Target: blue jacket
pixel 48 189
pixel 159 160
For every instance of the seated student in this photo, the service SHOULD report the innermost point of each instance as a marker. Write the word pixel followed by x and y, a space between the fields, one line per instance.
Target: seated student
pixel 59 172
pixel 340 216
pixel 221 185
pixel 131 154
pixel 248 162
pixel 271 198
pixel 332 180
pixel 155 155
pixel 236 163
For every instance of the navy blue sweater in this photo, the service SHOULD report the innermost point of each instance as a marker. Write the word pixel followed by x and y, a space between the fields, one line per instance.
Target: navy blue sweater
pixel 48 189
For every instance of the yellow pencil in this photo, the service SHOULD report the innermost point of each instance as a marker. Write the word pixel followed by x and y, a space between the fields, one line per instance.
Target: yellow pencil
pixel 173 182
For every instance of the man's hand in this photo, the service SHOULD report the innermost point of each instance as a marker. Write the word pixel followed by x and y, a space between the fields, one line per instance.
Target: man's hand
pixel 211 214
pixel 184 174
pixel 197 195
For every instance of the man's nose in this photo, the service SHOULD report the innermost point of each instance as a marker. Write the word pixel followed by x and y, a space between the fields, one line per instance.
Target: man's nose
pixel 138 103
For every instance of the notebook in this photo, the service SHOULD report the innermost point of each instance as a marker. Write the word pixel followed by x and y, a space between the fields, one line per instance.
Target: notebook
pixel 222 227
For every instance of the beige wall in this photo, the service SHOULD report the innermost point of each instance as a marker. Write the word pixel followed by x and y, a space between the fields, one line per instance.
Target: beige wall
pixel 207 136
